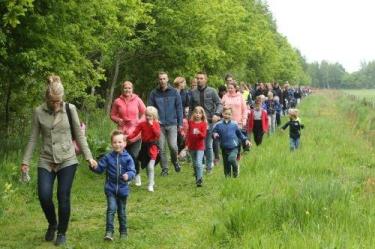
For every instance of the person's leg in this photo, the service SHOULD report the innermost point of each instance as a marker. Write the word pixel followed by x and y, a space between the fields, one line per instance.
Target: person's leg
pixel 65 179
pixel 163 151
pixel 297 142
pixel 151 175
pixel 232 161
pixel 226 164
pixel 199 165
pixel 292 144
pixel 133 150
pixel 208 153
pixel 172 144
pixel 273 122
pixel 45 191
pixel 121 213
pixel 278 119
pixel 216 150
pixel 111 210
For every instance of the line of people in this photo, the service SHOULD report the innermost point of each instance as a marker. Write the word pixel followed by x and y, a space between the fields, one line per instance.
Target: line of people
pixel 201 121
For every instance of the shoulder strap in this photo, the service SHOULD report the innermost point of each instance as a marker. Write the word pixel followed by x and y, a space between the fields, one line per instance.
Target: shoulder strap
pixel 70 120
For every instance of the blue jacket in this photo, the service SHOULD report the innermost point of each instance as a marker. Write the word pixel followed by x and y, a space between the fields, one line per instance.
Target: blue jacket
pixel 169 105
pixel 115 165
pixel 229 134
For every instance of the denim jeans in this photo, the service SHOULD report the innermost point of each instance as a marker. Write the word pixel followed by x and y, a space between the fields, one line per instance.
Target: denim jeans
pixel 46 180
pixel 230 162
pixel 134 149
pixel 272 123
pixel 116 204
pixel 197 158
pixel 168 133
pixel 294 143
pixel 209 153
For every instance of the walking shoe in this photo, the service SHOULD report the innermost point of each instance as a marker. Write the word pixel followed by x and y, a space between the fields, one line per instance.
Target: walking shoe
pixel 164 173
pixel 216 161
pixel 60 239
pixel 123 235
pixel 138 180
pixel 50 233
pixel 177 167
pixel 150 188
pixel 108 236
pixel 199 182
pixel 208 171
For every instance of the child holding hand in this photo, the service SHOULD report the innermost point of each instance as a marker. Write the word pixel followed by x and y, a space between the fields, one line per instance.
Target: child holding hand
pixel 119 168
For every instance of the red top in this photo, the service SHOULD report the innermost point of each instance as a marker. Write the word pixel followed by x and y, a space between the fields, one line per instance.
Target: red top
pixel 149 133
pixel 264 119
pixel 196 141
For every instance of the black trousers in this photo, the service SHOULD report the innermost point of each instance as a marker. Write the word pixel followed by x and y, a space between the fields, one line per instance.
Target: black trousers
pixel 258 132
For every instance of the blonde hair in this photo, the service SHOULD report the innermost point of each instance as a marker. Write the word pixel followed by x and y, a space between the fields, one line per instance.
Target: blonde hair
pixel 270 94
pixel 55 88
pixel 201 110
pixel 153 111
pixel 293 113
pixel 178 81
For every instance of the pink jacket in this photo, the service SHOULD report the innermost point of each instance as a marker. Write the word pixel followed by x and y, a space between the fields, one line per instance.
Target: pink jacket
pixel 239 108
pixel 131 111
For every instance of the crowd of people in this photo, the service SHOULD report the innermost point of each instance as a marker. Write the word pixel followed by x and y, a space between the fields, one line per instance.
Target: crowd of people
pixel 195 124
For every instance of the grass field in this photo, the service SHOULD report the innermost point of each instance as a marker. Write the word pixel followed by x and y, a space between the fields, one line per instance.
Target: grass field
pixel 321 196
pixel 363 93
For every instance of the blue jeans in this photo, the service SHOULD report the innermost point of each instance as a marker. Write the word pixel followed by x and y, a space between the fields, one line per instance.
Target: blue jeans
pixel 294 143
pixel 116 204
pixel 168 133
pixel 46 180
pixel 230 162
pixel 208 153
pixel 197 158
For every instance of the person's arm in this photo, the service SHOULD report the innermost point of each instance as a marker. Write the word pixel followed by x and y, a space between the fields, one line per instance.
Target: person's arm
pixel 179 110
pixel 130 170
pixel 243 113
pixel 136 131
pixel 101 166
pixel 35 131
pixel 115 116
pixel 218 104
pixel 141 109
pixel 156 129
pixel 151 100
pixel 202 130
pixel 285 125
pixel 79 137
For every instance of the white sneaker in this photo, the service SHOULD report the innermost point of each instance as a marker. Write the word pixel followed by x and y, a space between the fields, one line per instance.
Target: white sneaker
pixel 138 180
pixel 150 188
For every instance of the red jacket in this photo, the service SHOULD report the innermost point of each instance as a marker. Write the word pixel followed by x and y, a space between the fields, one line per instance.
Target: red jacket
pixel 149 133
pixel 196 141
pixel 264 119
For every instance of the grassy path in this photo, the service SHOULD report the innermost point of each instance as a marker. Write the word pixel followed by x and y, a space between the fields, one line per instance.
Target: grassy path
pixel 321 196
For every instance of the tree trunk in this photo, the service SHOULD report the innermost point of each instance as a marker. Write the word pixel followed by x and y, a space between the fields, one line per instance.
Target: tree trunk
pixel 113 84
pixel 7 107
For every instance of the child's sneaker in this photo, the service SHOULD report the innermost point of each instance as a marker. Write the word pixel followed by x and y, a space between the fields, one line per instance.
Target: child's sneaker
pixel 199 182
pixel 150 188
pixel 138 180
pixel 108 236
pixel 123 235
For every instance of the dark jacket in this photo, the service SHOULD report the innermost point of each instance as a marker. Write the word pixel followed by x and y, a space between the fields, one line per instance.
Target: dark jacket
pixel 116 165
pixel 169 105
pixel 208 98
pixel 230 134
pixel 295 127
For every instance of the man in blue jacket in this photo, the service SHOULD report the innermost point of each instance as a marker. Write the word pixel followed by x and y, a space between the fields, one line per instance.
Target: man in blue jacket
pixel 167 101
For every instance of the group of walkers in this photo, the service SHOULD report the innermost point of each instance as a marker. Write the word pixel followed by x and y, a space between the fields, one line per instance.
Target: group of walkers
pixel 195 123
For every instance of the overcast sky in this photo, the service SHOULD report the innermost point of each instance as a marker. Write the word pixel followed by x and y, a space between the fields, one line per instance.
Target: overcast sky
pixel 340 31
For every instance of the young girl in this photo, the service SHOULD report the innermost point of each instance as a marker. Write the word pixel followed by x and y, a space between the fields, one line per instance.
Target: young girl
pixel 119 168
pixel 230 136
pixel 295 127
pixel 150 133
pixel 196 135
pixel 258 121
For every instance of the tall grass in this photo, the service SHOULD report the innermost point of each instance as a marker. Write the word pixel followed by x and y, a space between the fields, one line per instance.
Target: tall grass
pixel 321 196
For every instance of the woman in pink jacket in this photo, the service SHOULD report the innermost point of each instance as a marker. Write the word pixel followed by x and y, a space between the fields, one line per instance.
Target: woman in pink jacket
pixel 127 111
pixel 235 100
